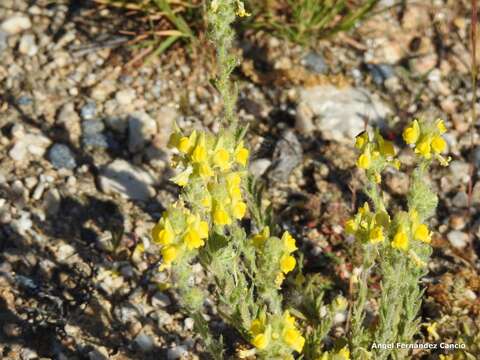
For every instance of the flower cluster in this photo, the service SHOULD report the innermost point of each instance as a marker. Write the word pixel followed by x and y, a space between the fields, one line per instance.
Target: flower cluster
pixel 368 227
pixel 410 229
pixel 342 354
pixel 287 261
pixel 278 250
pixel 211 166
pixel 376 154
pixel 427 139
pixel 276 332
pixel 179 232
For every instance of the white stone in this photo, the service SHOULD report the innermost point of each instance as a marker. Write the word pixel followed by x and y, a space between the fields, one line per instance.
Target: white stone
pixel 125 97
pixel 15 24
pixel 141 129
pixel 27 45
pixel 458 239
pixel 121 177
pixel 341 113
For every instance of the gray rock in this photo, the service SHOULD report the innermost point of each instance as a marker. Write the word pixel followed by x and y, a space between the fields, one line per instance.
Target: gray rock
pixel 286 156
pixel 141 129
pixel 144 342
pixel 460 171
pixel 304 119
pixel 458 239
pixel 16 24
pixel 92 127
pixel 28 45
pixel 380 72
pixel 61 156
pixel 259 166
pixel 460 200
pixel 476 157
pixel 3 41
pixel 52 201
pixel 88 111
pixel 176 352
pixel 95 141
pixel 315 62
pixel 342 112
pixel 160 299
pixel 121 177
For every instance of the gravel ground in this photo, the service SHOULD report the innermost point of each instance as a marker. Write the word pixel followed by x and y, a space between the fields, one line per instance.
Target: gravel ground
pixel 84 166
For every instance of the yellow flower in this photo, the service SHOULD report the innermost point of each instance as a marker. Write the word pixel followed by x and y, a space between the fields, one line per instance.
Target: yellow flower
pixel 364 161
pixel 162 235
pixel 279 279
pixel 206 201
pixel 174 140
pixel 344 354
pixel 257 327
pixel 241 154
pixel 288 319
pixel 441 126
pixel 259 239
pixel 387 148
pixel 205 170
pixel 222 159
pixel 221 217
pixel 260 341
pixel 184 144
pixel 364 209
pixel 340 303
pixel 361 140
pixel 203 229
pixel 438 144
pixel 400 240
pixel 412 133
pixel 241 9
pixel 169 254
pixel 288 242
pixel 351 227
pixel 422 233
pixel 214 6
pixel 294 339
pixel 423 148
pixel 233 180
pixel 287 263
pixel 376 235
pixel 199 154
pixel 192 239
pixel 432 330
pixel 239 209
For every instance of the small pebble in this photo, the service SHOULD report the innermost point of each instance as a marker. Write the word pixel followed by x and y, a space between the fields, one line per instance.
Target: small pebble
pixel 457 239
pixel 61 157
pixel 315 62
pixel 88 111
pixel 144 342
pixel 176 352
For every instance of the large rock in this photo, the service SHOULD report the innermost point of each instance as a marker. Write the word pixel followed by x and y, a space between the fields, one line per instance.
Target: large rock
pixel 121 177
pixel 30 144
pixel 141 129
pixel 16 24
pixel 340 113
